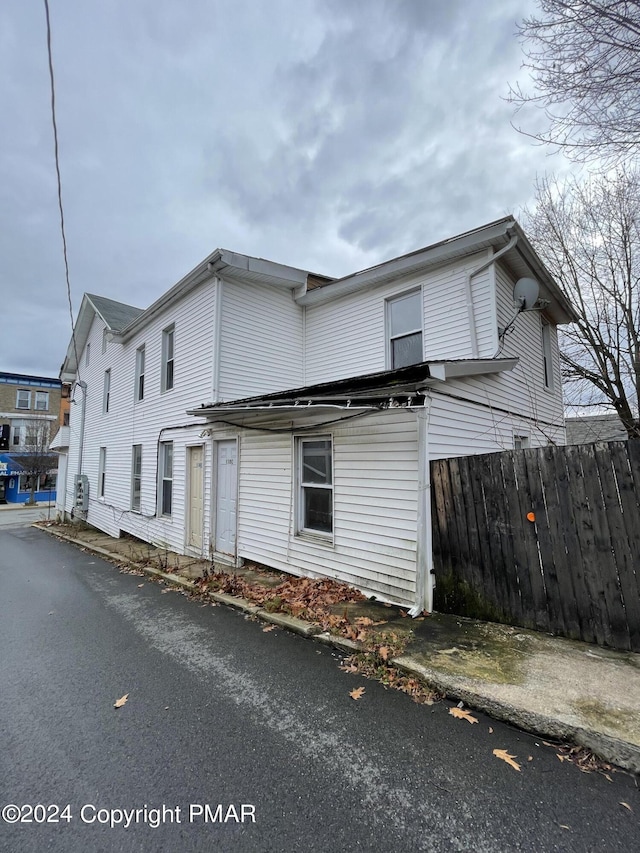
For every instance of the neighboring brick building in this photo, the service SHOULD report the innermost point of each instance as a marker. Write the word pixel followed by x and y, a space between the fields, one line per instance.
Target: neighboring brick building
pixel 30 411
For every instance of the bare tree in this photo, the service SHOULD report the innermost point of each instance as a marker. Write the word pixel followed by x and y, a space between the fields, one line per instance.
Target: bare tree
pixel 588 234
pixel 584 58
pixel 38 459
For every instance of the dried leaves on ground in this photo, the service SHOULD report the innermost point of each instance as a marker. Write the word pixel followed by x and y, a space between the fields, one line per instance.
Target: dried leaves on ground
pixel 463 714
pixel 503 755
pixel 122 701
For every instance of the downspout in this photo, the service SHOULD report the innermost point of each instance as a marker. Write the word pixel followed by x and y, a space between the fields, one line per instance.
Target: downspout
pixel 469 298
pixel 424 547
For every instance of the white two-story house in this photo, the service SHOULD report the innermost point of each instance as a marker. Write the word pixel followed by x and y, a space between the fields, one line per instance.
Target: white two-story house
pixel 259 412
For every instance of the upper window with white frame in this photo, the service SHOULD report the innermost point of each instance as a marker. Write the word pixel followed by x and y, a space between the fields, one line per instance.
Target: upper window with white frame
pixel 315 485
pixel 404 325
pixel 521 441
pixel 140 368
pixel 547 357
pixel 168 342
pixel 106 396
pixel 42 401
pixel 23 399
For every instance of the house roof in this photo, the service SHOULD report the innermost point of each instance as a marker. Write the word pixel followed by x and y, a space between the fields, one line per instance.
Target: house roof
pixel 583 430
pixel 388 388
pixel 116 315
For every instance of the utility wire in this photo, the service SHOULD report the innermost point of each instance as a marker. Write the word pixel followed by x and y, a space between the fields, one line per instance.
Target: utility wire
pixel 59 179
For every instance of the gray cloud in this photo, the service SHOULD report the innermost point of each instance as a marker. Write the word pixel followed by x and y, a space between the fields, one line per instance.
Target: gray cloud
pixel 320 133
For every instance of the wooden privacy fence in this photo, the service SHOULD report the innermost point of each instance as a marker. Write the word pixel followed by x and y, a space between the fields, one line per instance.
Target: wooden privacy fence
pixel 545 538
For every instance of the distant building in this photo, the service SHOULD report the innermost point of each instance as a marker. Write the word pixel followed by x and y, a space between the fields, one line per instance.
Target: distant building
pixel 584 430
pixel 30 409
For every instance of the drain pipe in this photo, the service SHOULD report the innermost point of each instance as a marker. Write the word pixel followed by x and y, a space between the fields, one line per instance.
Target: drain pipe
pixel 469 298
pixel 424 541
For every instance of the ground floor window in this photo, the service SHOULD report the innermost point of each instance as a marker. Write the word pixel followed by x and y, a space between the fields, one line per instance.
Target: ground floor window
pixel 315 485
pixel 43 482
pixel 102 471
pixel 136 477
pixel 165 475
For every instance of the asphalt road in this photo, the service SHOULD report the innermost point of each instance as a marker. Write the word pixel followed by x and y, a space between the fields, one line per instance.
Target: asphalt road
pixel 221 713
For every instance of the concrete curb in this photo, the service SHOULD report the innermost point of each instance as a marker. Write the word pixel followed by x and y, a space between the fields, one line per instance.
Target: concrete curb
pixel 613 750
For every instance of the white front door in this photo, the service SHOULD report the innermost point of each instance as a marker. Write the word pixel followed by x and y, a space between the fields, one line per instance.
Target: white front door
pixel 226 496
pixel 196 498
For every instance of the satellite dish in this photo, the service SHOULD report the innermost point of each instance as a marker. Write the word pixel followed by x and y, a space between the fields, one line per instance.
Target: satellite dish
pixel 525 293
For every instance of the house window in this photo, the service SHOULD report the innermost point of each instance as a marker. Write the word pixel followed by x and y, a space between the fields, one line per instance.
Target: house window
pixel 404 322
pixel 136 477
pixel 102 468
pixel 42 401
pixel 18 433
pixel 106 396
pixel 65 419
pixel 23 400
pixel 166 477
pixel 547 359
pixel 167 358
pixel 315 485
pixel 87 355
pixel 140 358
pixel 520 442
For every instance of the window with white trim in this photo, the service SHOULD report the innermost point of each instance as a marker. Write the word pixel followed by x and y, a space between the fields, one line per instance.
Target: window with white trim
pixel 140 366
pixel 136 477
pixel 18 433
pixel 165 477
pixel 547 358
pixel 168 340
pixel 315 485
pixel 520 442
pixel 42 401
pixel 23 400
pixel 404 325
pixel 106 396
pixel 102 471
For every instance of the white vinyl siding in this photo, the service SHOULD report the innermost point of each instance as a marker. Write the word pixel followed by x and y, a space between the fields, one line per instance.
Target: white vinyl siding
pixel 260 341
pixel 375 462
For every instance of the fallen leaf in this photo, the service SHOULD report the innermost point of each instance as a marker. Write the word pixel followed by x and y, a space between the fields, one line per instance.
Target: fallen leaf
pixel 490 730
pixel 627 806
pixel 356 693
pixel 463 714
pixel 503 755
pixel 140 584
pixel 268 628
pixel 560 757
pixel 564 826
pixel 122 701
pixel 383 651
pixel 530 758
pixel 164 590
pixel 608 778
pixel 349 668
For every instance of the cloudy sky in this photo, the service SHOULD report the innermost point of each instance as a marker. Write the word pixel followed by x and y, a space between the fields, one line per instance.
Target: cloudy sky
pixel 325 134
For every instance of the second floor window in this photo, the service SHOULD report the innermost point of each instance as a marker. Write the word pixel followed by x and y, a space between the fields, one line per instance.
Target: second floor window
pixel 106 397
pixel 23 400
pixel 140 359
pixel 404 324
pixel 42 401
pixel 168 336
pixel 547 360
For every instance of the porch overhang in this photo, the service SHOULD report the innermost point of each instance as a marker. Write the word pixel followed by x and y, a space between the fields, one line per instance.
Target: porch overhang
pixel 404 387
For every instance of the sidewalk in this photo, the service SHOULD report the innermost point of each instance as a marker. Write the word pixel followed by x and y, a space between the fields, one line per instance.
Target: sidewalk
pixel 554 687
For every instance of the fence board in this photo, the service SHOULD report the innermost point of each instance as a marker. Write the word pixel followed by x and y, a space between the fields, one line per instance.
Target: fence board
pixel 574 571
